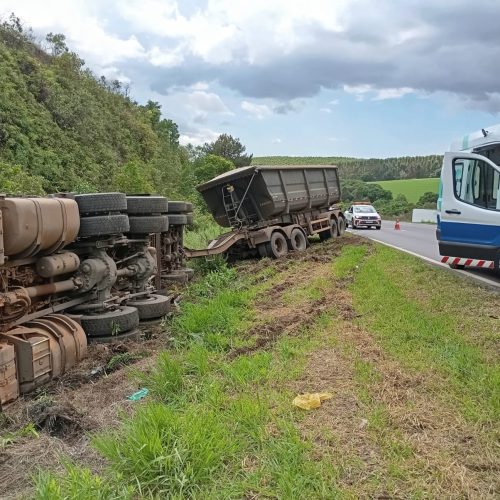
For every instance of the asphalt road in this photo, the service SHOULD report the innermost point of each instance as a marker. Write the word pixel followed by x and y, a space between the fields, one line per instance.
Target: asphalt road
pixel 420 240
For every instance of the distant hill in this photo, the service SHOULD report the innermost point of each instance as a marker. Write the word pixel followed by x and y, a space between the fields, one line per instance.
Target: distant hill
pixel 371 169
pixel 413 189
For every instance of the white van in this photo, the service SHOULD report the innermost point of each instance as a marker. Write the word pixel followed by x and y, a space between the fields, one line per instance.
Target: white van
pixel 468 228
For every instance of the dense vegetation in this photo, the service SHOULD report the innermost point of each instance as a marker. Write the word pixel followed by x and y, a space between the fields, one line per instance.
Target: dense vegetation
pixel 68 130
pixel 371 169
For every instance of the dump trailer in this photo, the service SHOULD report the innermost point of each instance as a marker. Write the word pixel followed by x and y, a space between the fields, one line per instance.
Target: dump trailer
pixel 272 209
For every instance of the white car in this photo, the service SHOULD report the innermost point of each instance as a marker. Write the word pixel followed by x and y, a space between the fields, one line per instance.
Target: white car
pixel 362 215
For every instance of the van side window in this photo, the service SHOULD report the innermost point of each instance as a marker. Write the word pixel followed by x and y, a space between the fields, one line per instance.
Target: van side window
pixel 477 183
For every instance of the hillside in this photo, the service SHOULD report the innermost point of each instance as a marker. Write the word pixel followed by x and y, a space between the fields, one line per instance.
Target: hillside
pixel 371 169
pixel 62 128
pixel 412 189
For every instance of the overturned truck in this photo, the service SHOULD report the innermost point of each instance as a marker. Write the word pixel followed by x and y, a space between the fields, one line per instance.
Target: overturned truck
pixel 76 269
pixel 272 209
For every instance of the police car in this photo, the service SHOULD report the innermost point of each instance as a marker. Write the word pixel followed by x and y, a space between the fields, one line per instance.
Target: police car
pixel 362 214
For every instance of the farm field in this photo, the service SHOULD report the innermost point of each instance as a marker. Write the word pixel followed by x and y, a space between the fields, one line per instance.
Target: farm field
pixel 413 189
pixel 414 380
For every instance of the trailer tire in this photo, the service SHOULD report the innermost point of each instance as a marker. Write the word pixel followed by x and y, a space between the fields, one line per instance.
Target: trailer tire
pixel 153 307
pixel 177 219
pixel 103 225
pixel 101 203
pixel 189 219
pixel 341 226
pixel 123 320
pixel 332 232
pixel 298 240
pixel 277 246
pixel 149 224
pixel 146 205
pixel 177 207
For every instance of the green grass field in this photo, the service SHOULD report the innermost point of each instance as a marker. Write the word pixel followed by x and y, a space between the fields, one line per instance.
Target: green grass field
pixel 413 189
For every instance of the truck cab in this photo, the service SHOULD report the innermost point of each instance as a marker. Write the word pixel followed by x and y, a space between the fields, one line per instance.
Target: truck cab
pixel 468 206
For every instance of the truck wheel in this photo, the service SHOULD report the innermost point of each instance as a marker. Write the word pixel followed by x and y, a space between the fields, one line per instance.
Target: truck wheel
pixel 298 241
pixel 101 203
pixel 341 226
pixel 378 227
pixel 178 207
pixel 146 205
pixel 177 219
pixel 330 233
pixel 111 323
pixel 153 307
pixel 277 246
pixel 148 224
pixel 103 225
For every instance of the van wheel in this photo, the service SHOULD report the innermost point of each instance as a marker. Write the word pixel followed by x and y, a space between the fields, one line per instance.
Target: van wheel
pixel 276 247
pixel 298 241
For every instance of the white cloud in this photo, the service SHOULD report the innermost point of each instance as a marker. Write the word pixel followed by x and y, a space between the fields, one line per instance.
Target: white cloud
pixel 198 137
pixel 325 110
pixel 394 93
pixel 260 111
pixel 277 140
pixel 208 102
pixel 334 102
pixel 165 57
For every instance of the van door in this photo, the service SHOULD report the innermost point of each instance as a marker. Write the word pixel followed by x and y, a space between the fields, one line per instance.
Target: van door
pixel 469 216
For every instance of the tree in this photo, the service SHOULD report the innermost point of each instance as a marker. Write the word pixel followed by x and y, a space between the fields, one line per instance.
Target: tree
pixel 428 198
pixel 57 43
pixel 132 179
pixel 229 148
pixel 15 181
pixel 356 190
pixel 210 166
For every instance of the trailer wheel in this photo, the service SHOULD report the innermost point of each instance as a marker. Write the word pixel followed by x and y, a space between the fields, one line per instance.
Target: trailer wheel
pixel 333 232
pixel 111 323
pixel 341 226
pixel 103 225
pixel 178 207
pixel 139 205
pixel 153 307
pixel 298 241
pixel 276 247
pixel 148 224
pixel 101 203
pixel 177 219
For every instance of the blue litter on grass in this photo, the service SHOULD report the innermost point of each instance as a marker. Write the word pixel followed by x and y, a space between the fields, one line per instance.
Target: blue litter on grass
pixel 142 393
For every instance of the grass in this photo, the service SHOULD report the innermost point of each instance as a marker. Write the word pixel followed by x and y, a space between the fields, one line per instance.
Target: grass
pixel 413 189
pixel 219 426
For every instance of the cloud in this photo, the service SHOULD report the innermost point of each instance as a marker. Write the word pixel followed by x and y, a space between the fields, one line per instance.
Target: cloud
pixel 197 137
pixel 277 140
pixel 259 111
pixel 325 110
pixel 286 50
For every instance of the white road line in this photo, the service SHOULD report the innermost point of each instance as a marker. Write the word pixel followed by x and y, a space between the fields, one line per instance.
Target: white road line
pixel 437 263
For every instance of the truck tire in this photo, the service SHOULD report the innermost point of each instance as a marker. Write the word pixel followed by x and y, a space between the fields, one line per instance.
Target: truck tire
pixel 147 205
pixel 101 203
pixel 153 307
pixel 177 219
pixel 298 240
pixel 111 323
pixel 341 226
pixel 277 246
pixel 189 206
pixel 330 233
pixel 103 225
pixel 110 339
pixel 149 224
pixel 177 207
pixel 189 219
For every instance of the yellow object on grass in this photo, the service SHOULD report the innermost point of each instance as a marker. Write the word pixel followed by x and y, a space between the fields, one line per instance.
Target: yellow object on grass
pixel 309 401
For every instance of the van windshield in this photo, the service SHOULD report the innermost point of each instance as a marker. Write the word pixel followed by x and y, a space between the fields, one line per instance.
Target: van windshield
pixel 364 209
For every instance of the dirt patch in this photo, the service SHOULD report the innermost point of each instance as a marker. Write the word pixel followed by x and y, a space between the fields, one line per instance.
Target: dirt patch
pixel 67 411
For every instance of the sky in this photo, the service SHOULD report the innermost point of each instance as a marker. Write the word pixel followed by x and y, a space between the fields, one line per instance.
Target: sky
pixel 356 78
